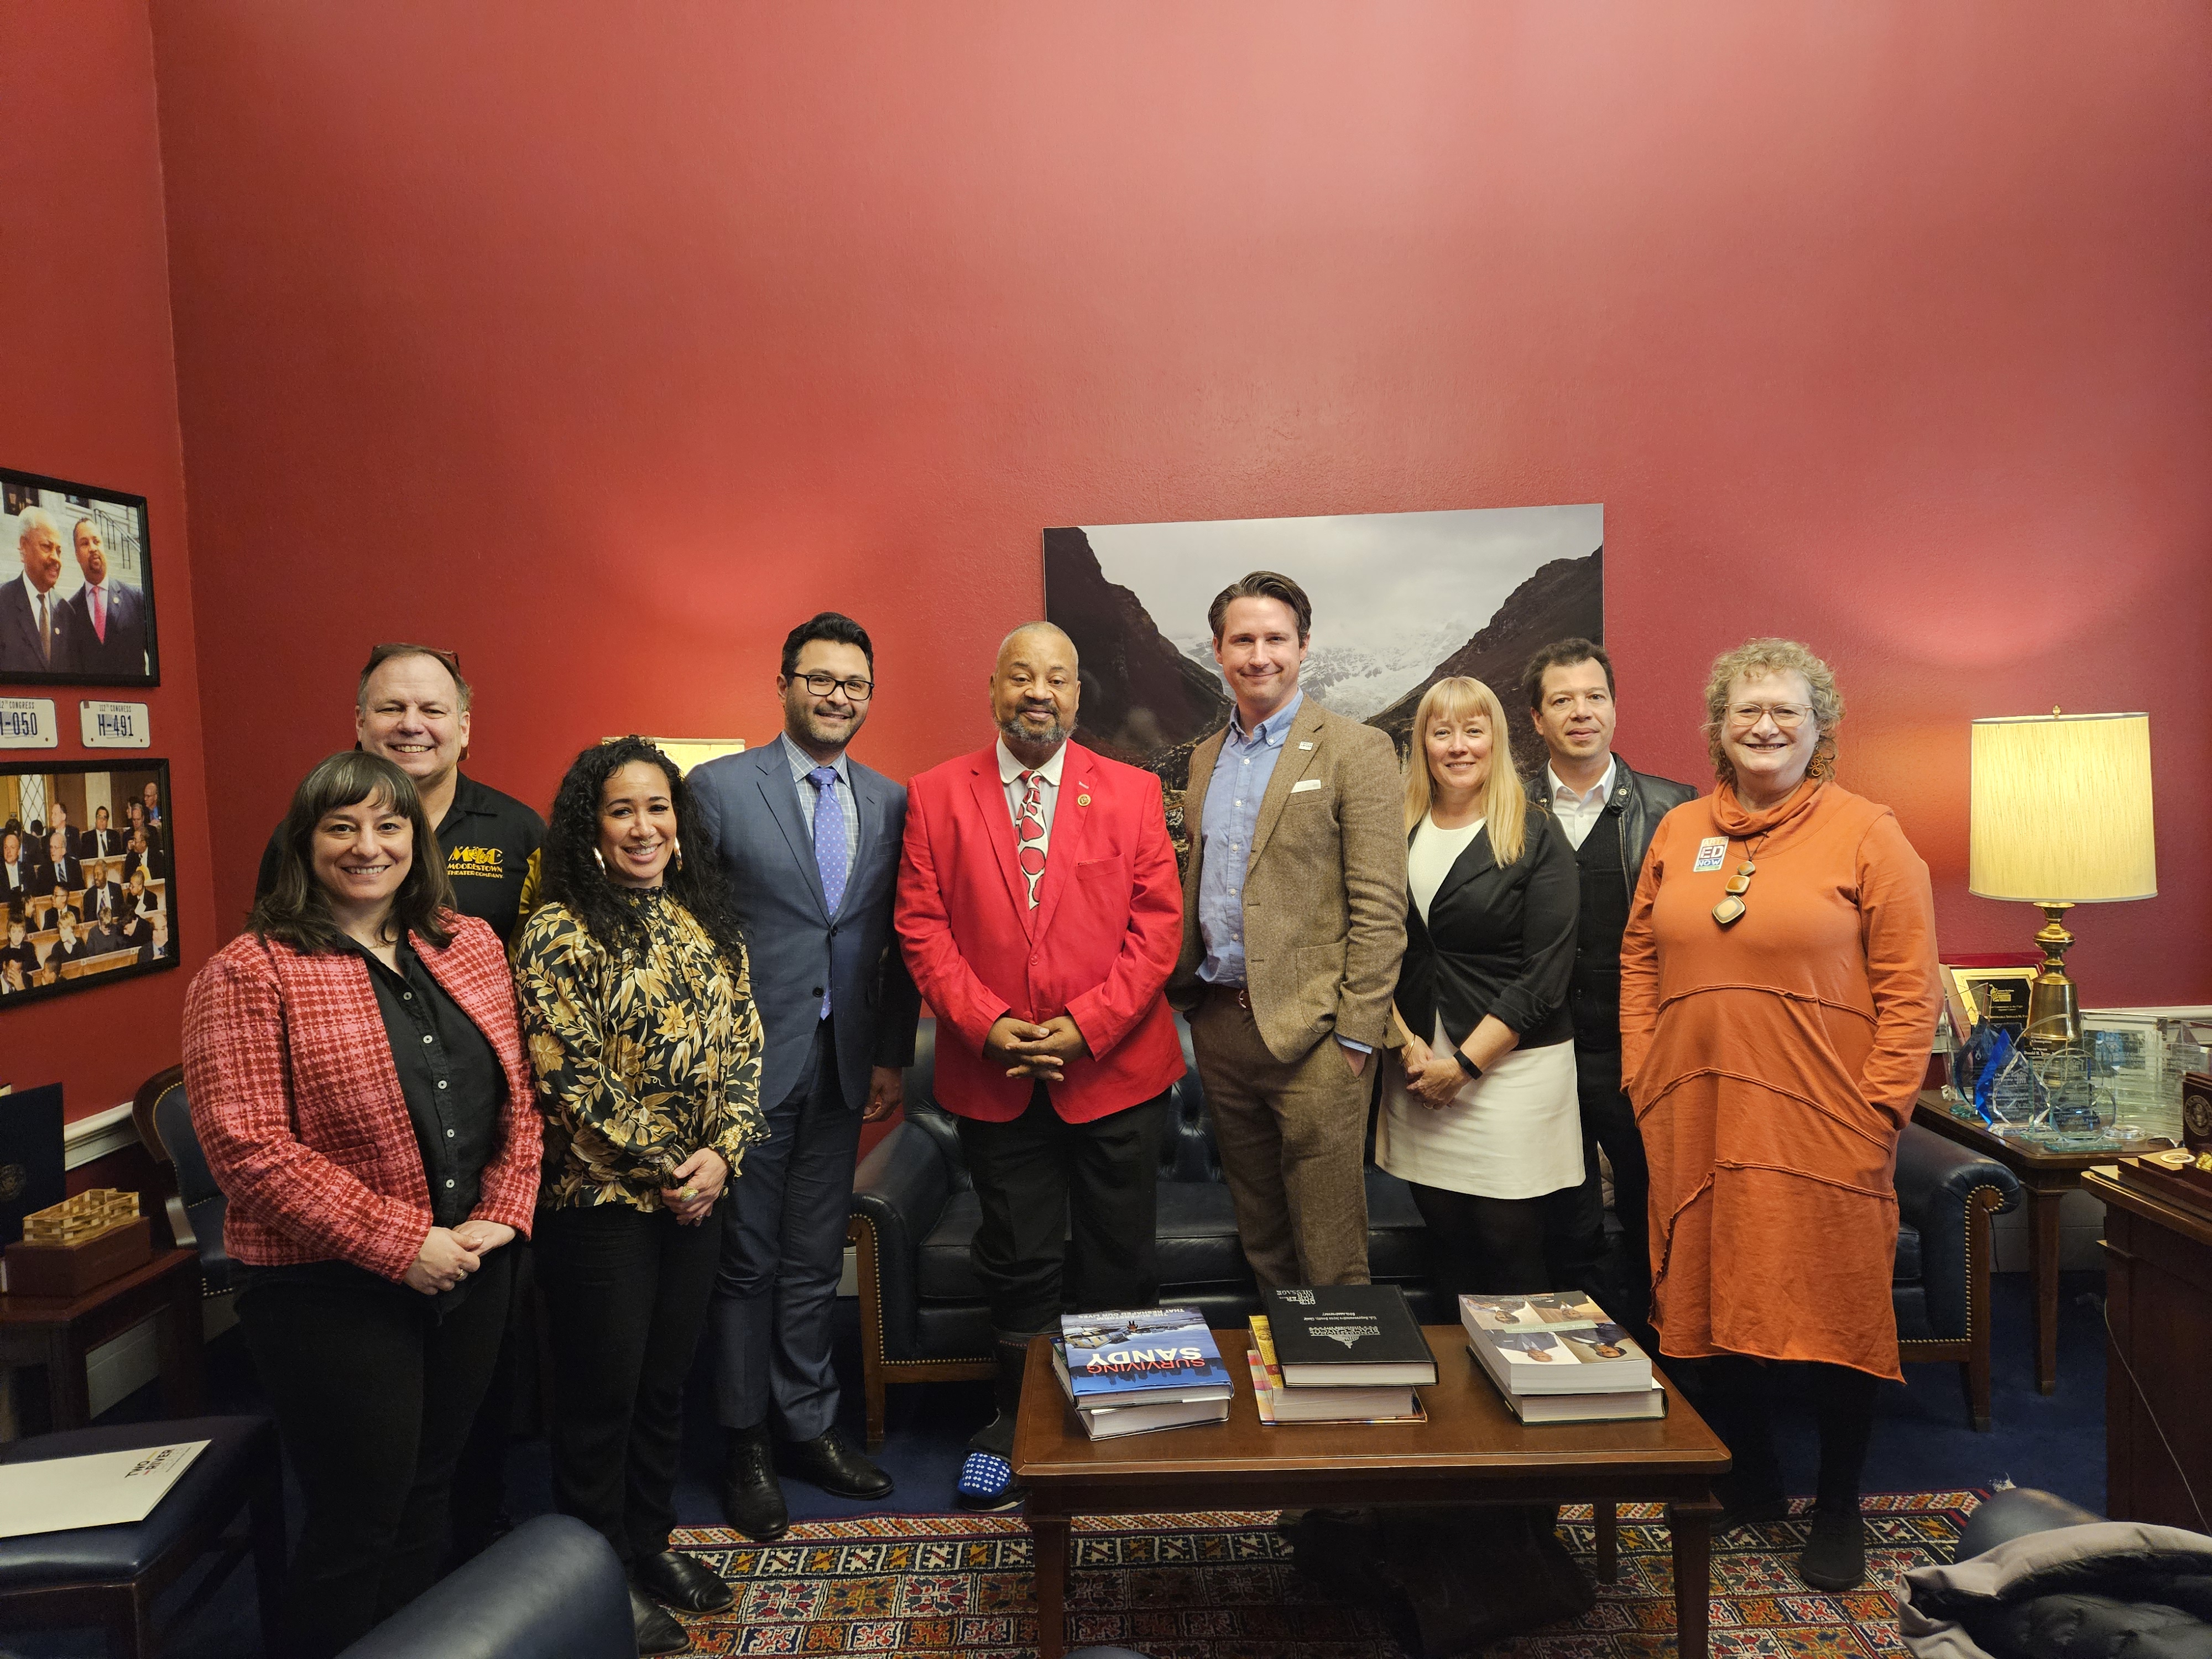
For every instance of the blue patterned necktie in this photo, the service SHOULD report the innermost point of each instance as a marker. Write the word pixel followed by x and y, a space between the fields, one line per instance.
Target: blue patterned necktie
pixel 833 856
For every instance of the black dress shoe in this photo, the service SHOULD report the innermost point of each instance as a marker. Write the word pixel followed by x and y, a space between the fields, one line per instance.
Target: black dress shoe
pixel 655 1630
pixel 751 1498
pixel 835 1464
pixel 682 1581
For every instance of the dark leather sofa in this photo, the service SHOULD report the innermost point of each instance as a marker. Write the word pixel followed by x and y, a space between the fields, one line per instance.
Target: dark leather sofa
pixel 923 1319
pixel 552 1589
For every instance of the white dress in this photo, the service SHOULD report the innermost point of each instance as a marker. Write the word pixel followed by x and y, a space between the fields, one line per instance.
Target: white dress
pixel 1515 1131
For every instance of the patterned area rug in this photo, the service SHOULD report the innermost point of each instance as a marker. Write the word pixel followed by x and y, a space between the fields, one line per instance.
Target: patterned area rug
pixel 1221 1586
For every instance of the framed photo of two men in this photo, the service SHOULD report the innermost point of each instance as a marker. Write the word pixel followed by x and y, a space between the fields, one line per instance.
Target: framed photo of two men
pixel 76 584
pixel 86 893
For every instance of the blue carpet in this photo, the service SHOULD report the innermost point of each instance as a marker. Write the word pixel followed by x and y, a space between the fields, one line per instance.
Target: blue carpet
pixel 1922 1442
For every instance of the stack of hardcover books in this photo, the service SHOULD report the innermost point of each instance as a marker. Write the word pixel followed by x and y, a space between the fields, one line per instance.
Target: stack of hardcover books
pixel 1132 1372
pixel 1557 1359
pixel 1344 1353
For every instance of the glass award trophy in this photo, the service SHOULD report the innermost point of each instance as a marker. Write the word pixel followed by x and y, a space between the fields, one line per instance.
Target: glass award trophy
pixel 2018 1104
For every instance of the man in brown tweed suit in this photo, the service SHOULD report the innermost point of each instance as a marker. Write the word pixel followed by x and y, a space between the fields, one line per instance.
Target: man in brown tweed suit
pixel 1294 918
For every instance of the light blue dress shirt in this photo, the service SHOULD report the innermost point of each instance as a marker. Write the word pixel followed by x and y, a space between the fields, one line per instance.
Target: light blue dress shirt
pixel 1231 812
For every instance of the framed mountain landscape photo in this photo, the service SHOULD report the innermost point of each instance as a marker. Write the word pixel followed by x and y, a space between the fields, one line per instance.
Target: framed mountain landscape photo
pixel 1400 601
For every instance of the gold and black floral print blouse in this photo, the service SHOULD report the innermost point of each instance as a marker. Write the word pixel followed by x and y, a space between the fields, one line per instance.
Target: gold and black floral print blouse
pixel 640 1058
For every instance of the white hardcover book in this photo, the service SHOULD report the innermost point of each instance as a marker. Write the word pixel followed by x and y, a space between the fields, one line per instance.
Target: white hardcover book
pixel 1554 1344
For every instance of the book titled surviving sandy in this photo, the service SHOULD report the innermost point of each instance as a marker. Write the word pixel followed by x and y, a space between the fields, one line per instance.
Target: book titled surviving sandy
pixel 1354 1335
pixel 1147 1355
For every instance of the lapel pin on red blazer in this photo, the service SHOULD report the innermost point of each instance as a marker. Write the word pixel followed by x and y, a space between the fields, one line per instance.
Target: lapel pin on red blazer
pixel 1081 800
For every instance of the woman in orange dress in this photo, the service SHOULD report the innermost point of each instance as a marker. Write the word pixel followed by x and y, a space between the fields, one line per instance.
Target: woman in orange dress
pixel 1778 995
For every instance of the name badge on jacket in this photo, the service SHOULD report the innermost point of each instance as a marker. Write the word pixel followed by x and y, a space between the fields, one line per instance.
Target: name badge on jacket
pixel 1712 853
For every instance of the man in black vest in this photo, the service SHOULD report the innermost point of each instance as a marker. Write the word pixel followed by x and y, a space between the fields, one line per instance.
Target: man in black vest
pixel 1609 812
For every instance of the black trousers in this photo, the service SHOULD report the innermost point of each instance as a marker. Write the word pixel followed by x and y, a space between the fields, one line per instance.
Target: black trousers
pixel 1068 1213
pixel 626 1294
pixel 1485 1246
pixel 373 1393
pixel 480 1477
pixel 1619 1281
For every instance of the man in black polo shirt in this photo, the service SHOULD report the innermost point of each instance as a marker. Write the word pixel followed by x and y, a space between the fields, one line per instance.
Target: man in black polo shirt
pixel 412 708
pixel 1609 813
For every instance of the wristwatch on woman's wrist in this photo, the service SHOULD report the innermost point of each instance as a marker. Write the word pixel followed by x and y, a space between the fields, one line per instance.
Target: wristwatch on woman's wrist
pixel 1465 1064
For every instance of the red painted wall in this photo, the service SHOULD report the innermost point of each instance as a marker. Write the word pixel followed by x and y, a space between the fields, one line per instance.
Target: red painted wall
pixel 92 399
pixel 606 343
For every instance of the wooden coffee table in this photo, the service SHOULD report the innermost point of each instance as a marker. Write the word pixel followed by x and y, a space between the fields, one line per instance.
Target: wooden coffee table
pixel 1470 1450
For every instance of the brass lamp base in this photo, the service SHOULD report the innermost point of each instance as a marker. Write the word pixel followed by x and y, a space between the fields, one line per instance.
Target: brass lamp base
pixel 2054 1014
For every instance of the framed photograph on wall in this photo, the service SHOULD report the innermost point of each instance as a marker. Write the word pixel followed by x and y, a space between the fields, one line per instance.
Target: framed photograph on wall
pixel 86 891
pixel 76 584
pixel 1400 601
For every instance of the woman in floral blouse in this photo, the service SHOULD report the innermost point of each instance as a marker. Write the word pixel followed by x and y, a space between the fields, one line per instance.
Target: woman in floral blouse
pixel 639 1019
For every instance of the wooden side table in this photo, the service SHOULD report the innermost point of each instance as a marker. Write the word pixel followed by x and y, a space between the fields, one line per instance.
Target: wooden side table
pixel 2046 1177
pixel 2158 1300
pixel 57 1332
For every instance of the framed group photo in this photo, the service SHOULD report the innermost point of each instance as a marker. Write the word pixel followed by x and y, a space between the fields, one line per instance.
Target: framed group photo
pixel 76 585
pixel 86 893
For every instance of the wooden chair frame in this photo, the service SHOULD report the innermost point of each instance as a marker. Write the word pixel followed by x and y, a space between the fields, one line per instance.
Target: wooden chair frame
pixel 124 1608
pixel 878 1373
pixel 1970 1352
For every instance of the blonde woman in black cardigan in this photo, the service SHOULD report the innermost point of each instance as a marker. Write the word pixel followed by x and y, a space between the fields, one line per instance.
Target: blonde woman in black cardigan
pixel 1479 1116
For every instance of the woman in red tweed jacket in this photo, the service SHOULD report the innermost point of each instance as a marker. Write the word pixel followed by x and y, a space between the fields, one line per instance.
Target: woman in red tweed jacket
pixel 358 1084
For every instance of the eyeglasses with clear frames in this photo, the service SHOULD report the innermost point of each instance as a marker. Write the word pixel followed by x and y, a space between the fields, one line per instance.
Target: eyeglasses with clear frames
pixel 1787 716
pixel 821 685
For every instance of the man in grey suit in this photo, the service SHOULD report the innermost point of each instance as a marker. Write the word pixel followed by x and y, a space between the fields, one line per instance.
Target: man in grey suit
pixel 38 635
pixel 809 839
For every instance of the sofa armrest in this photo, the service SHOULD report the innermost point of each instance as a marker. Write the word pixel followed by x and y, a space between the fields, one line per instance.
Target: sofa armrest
pixel 900 1190
pixel 552 1589
pixel 1937 1183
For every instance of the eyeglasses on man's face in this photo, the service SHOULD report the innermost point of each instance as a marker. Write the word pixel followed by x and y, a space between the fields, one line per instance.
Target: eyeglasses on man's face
pixel 1786 716
pixel 821 685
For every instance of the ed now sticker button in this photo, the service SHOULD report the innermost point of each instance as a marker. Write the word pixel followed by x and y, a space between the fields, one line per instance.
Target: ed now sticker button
pixel 1712 853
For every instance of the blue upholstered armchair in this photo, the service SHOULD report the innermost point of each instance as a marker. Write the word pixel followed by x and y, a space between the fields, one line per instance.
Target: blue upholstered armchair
pixel 922 1316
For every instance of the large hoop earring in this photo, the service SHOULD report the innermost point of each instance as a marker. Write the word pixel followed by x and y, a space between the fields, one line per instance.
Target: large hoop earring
pixel 597 860
pixel 676 852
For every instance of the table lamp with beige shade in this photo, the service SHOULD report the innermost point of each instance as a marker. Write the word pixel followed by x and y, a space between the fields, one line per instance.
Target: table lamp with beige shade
pixel 2061 816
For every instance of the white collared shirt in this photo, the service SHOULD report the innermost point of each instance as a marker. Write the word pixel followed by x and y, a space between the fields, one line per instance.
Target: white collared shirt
pixel 53 599
pixel 1576 813
pixel 1010 775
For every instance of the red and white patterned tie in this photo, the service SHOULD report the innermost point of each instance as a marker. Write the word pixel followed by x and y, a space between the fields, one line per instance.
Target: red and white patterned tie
pixel 1030 828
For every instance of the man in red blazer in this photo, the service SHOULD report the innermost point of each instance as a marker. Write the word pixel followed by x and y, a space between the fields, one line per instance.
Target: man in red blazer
pixel 1040 911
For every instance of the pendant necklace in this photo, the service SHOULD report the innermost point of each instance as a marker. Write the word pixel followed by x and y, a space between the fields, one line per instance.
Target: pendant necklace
pixel 1731 907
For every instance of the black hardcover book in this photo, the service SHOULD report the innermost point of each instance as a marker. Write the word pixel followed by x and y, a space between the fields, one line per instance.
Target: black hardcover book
pixel 30 1155
pixel 1358 1335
